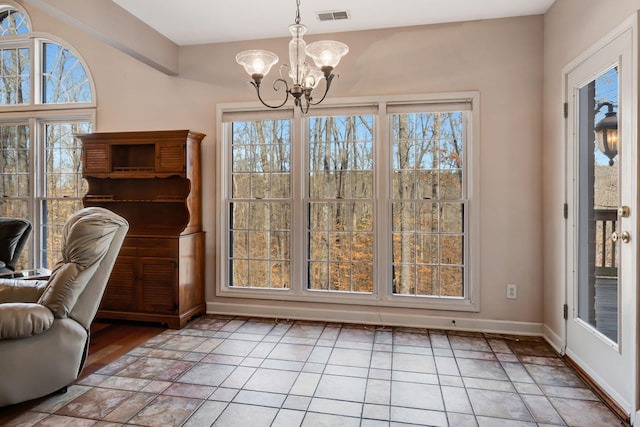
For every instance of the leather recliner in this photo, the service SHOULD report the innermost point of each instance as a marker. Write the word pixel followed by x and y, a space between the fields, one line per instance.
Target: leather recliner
pixel 14 233
pixel 44 324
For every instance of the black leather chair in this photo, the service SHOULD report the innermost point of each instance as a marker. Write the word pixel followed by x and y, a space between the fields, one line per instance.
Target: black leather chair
pixel 14 233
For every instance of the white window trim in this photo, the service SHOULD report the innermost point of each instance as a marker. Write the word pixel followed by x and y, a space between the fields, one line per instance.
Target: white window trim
pixel 380 297
pixel 39 39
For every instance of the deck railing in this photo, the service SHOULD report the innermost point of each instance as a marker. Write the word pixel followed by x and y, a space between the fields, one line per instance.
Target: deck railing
pixel 606 254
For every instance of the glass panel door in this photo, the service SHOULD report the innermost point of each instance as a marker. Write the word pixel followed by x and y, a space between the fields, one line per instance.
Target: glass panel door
pixel 602 247
pixel 599 195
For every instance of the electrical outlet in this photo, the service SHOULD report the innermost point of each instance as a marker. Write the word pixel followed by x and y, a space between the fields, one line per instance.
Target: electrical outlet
pixel 512 291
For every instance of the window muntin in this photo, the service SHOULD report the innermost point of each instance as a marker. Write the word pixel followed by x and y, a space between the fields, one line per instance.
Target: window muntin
pixel 440 271
pixel 260 209
pixel 341 204
pixel 428 204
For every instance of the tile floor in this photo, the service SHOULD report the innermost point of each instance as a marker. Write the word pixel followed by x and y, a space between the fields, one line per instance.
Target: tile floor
pixel 252 373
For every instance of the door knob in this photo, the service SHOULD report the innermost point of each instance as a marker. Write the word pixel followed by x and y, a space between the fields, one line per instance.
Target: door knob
pixel 623 235
pixel 624 211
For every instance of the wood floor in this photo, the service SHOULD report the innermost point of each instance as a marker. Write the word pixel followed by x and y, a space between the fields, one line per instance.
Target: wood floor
pixel 109 340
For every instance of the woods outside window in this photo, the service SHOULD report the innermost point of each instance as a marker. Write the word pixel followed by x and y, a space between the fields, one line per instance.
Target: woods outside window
pixel 368 203
pixel 46 96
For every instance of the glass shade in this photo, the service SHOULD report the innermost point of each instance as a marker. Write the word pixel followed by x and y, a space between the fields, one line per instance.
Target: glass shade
pixel 257 61
pixel 313 77
pixel 327 53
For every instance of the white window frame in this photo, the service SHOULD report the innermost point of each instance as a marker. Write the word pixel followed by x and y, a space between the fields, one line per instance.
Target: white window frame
pixel 382 295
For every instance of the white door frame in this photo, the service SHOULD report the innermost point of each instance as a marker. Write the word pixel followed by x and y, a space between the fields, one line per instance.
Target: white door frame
pixel 628 403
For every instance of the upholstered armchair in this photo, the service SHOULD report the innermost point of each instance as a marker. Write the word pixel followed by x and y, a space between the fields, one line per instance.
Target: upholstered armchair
pixel 14 233
pixel 44 325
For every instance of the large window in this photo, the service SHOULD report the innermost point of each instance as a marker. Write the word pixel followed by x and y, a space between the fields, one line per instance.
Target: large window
pixel 340 203
pixel 368 204
pixel 45 99
pixel 428 203
pixel 260 204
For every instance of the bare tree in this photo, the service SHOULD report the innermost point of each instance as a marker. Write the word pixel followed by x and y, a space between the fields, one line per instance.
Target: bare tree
pixel 428 155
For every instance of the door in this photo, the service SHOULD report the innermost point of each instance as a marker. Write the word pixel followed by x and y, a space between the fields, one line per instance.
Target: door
pixel 602 231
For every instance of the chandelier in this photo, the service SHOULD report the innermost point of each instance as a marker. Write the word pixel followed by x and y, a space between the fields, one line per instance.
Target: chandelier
pixel 326 55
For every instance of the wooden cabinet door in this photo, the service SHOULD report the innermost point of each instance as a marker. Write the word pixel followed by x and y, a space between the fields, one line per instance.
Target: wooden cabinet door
pixel 170 157
pixel 121 291
pixel 95 158
pixel 159 281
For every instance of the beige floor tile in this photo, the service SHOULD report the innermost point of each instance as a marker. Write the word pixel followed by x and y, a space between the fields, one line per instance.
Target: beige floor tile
pixel 230 371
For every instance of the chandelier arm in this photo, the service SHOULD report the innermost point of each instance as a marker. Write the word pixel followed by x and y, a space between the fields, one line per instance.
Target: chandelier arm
pixel 286 98
pixel 329 79
pixel 305 109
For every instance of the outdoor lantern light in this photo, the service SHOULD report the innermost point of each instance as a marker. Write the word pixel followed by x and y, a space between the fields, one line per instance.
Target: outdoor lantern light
pixel 607 132
pixel 326 55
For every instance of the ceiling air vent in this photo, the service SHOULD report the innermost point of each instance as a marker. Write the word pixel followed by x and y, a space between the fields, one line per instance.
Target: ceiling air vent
pixel 333 15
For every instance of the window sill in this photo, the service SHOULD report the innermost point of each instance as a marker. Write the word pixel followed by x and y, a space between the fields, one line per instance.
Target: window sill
pixel 342 298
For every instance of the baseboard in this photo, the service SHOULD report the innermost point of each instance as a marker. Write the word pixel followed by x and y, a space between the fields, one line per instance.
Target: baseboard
pixel 593 384
pixel 371 316
pixel 553 339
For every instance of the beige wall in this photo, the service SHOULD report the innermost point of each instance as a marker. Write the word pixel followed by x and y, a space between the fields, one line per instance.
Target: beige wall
pixel 570 28
pixel 502 59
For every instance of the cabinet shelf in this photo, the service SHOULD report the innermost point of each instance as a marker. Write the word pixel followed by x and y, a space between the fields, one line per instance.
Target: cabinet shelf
pixel 135 175
pixel 116 169
pixel 90 198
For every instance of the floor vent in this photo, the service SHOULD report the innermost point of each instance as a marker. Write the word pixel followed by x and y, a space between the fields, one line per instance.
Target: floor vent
pixel 334 15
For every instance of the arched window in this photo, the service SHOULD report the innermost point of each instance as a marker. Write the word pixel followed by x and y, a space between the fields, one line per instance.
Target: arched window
pixel 46 97
pixel 64 79
pixel 13 22
pixel 15 56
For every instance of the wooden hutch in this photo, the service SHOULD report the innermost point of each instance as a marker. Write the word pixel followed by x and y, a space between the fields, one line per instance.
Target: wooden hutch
pixel 153 179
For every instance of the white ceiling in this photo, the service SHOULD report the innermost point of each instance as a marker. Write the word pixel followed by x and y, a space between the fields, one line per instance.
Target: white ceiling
pixel 188 22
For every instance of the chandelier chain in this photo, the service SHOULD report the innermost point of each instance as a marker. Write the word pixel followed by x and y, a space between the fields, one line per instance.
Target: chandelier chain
pixel 297 11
